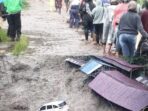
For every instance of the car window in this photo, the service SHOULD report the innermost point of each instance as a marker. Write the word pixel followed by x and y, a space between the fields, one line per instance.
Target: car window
pixel 49 107
pixel 43 108
pixel 54 106
pixel 62 104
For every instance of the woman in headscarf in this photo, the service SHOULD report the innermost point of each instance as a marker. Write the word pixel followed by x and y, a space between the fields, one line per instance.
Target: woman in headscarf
pixel 130 24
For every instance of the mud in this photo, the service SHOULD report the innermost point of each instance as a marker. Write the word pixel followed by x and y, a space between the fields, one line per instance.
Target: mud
pixel 41 75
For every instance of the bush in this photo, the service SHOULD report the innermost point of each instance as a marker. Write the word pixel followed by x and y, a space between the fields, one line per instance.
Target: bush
pixel 20 46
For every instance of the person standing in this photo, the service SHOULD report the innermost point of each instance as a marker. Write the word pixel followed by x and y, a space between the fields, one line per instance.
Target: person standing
pixel 87 19
pixel 98 14
pixel 129 25
pixel 121 8
pixel 67 2
pixel 144 17
pixel 108 31
pixel 58 5
pixel 13 8
pixel 74 14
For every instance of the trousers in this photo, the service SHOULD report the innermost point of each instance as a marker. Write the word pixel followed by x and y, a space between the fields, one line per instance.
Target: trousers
pixel 14 25
pixel 127 42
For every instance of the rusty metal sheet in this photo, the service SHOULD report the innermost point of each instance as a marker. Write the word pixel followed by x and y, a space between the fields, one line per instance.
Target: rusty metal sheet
pixel 121 90
pixel 120 63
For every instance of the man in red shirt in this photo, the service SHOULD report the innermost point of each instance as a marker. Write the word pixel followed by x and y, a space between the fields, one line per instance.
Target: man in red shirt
pixel 144 17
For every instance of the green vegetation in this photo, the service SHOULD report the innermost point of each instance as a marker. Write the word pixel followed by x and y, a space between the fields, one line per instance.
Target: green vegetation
pixel 139 60
pixel 3 36
pixel 20 46
pixel 25 4
pixel 141 2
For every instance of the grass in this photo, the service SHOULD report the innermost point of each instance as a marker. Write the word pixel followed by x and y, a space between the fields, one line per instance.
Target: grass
pixel 20 46
pixel 3 36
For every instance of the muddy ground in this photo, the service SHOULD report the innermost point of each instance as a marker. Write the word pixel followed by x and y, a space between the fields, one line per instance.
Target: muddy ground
pixel 41 75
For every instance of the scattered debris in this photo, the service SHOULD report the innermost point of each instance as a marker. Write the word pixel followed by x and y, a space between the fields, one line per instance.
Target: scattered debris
pixel 76 62
pixel 143 80
pixel 120 63
pixel 93 67
pixel 19 67
pixel 20 108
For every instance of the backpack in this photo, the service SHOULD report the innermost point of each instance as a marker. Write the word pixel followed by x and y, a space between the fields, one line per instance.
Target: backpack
pixel 3 11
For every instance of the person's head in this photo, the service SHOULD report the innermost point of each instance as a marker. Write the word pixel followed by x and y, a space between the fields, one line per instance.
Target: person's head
pixel 124 1
pixel 113 2
pixel 132 6
pixel 99 3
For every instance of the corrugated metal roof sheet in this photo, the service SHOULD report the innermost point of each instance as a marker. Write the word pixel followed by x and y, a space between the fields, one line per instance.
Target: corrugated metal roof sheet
pixel 120 63
pixel 91 66
pixel 76 62
pixel 121 90
pixel 94 66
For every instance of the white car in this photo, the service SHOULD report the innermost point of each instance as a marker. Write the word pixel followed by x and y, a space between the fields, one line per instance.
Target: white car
pixel 55 106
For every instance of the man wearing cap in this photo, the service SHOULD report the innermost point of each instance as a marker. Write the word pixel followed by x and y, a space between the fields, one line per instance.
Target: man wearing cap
pixel 13 8
pixel 130 24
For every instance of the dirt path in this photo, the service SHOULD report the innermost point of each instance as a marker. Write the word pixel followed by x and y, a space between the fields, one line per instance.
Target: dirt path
pixel 41 76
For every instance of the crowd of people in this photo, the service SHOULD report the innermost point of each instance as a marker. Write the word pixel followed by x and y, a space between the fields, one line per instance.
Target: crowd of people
pixel 114 24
